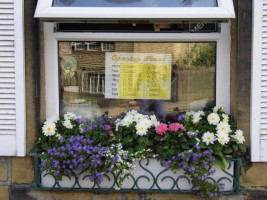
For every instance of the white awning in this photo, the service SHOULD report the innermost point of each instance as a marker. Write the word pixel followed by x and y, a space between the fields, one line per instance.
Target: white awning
pixel 49 10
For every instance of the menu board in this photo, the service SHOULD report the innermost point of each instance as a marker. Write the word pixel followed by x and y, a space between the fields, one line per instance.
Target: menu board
pixel 137 76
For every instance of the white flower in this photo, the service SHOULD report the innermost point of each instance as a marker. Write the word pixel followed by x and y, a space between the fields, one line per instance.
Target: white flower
pixel 126 121
pixel 239 136
pixel 70 115
pixel 67 124
pixel 131 112
pixel 147 123
pixel 225 117
pixel 49 129
pixel 213 119
pixel 219 107
pixel 189 113
pixel 223 127
pixel 196 117
pixel 223 138
pixel 208 138
pixel 81 128
pixel 138 117
pixel 58 136
pixel 141 129
pixel 201 113
pixel 154 120
pixel 198 141
pixel 52 120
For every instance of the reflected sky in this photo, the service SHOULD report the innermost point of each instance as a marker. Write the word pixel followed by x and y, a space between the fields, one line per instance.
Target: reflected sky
pixel 135 3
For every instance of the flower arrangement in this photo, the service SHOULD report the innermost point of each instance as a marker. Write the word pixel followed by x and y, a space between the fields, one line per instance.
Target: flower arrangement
pixel 69 146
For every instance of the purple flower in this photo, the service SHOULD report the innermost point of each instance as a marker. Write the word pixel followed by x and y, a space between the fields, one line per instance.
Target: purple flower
pixel 61 139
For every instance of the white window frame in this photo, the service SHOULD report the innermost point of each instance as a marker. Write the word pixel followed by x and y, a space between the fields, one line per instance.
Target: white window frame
pixel 52 38
pixel 225 10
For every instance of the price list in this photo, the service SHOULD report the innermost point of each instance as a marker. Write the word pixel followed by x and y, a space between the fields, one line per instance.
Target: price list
pixel 144 81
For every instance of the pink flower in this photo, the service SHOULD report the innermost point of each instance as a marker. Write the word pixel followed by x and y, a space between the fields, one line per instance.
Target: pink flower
pixel 162 139
pixel 107 127
pixel 161 129
pixel 174 127
pixel 110 133
pixel 182 127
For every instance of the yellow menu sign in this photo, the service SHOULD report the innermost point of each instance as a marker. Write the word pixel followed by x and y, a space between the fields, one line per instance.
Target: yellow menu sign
pixel 144 81
pixel 137 76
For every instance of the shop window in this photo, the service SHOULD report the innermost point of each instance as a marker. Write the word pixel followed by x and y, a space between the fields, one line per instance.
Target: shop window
pixel 159 77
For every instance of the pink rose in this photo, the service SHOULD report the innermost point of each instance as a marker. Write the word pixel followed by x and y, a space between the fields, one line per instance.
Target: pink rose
pixel 161 129
pixel 110 133
pixel 162 139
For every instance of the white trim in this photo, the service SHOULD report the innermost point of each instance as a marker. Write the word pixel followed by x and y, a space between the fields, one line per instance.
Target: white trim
pixel 223 68
pixel 51 71
pixel 51 57
pixel 225 10
pixel 20 78
pixel 256 80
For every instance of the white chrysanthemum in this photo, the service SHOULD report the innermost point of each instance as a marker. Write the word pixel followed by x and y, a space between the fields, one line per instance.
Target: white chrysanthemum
pixel 154 120
pixel 208 138
pixel 131 112
pixel 223 138
pixel 196 117
pixel 70 115
pixel 147 123
pixel 67 124
pixel 225 117
pixel 223 127
pixel 138 117
pixel 239 136
pixel 201 113
pixel 219 107
pixel 126 121
pixel 213 119
pixel 52 120
pixel 141 129
pixel 49 129
pixel 189 113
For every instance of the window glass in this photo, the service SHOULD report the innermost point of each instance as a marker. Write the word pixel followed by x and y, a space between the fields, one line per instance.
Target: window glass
pixel 135 3
pixel 113 77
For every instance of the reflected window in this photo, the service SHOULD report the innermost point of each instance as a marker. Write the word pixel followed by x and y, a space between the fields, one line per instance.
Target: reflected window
pixel 135 3
pixel 114 77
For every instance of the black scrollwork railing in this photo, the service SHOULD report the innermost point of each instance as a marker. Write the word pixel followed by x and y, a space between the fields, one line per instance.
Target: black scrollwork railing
pixel 149 176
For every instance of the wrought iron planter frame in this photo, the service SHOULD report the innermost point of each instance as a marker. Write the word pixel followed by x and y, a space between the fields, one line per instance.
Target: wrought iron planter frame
pixel 96 188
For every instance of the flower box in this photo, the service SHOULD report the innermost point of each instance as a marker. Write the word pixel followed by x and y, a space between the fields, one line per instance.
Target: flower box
pixel 149 176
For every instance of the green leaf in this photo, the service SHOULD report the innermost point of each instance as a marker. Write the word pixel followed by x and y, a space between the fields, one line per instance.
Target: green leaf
pixel 220 154
pixel 228 150
pixel 221 162
pixel 185 146
pixel 217 147
pixel 242 148
pixel 235 147
pixel 165 147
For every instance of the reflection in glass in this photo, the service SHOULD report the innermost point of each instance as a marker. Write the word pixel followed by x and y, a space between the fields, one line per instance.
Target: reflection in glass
pixel 135 3
pixel 114 77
